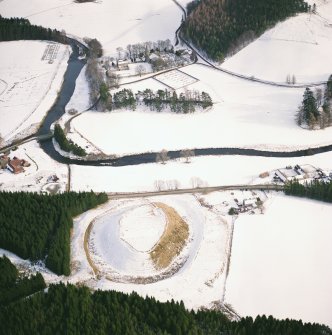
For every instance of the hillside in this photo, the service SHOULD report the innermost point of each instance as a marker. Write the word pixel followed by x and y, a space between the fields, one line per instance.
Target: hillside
pixel 72 310
pixel 220 27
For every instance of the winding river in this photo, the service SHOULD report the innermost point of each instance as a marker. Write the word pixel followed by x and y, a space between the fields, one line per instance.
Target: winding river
pixel 74 68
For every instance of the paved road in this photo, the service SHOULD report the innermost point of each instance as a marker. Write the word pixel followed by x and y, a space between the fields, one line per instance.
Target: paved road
pixel 263 187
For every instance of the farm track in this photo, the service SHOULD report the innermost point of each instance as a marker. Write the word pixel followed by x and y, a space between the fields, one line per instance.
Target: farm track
pixel 6 86
pixel 265 187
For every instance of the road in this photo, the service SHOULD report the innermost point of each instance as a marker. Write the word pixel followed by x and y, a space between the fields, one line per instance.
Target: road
pixel 263 187
pixel 206 62
pixel 27 139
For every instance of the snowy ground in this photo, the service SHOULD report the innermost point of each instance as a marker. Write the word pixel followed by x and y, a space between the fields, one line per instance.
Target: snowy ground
pixel 36 178
pixel 300 46
pixel 209 241
pixel 80 100
pixel 281 262
pixel 245 114
pixel 29 84
pixel 114 24
pixel 202 171
pixel 197 282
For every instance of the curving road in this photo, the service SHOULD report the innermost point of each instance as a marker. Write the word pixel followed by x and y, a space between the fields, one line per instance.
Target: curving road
pixel 74 68
pixel 208 63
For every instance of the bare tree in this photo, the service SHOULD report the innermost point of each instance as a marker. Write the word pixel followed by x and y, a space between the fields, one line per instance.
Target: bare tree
pixel 186 154
pixel 119 51
pixel 140 69
pixel 1 140
pixel 196 182
pixel 112 79
pixel 159 185
pixel 172 184
pixel 95 78
pixel 162 157
pixel 293 79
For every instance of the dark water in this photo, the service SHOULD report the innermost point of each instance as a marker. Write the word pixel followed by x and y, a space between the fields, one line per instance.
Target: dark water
pixel 151 157
pixel 74 68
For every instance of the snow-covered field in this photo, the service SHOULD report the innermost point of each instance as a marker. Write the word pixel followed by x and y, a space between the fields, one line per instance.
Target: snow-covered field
pixel 29 84
pixel 37 177
pixel 113 23
pixel 80 100
pixel 281 262
pixel 300 46
pixel 202 171
pixel 245 114
pixel 197 282
pixel 176 79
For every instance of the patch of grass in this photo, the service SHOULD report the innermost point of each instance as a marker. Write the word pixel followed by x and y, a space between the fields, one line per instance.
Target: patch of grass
pixel 172 240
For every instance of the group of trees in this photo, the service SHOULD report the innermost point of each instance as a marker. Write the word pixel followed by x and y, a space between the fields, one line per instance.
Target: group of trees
pixel 95 47
pixel 185 102
pixel 315 110
pixel 75 310
pixel 164 57
pixel 95 77
pixel 318 190
pixel 221 27
pixel 13 286
pixel 21 29
pixel 37 227
pixel 139 51
pixel 65 144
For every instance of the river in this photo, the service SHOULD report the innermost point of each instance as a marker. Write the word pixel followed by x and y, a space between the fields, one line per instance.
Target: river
pixel 75 65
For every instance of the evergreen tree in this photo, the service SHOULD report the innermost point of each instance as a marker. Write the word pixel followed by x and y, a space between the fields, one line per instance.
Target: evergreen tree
pixel 309 106
pixel 221 27
pixel 34 225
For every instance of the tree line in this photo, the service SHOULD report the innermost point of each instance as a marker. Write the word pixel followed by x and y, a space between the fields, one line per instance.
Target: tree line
pixel 37 227
pixel 185 102
pixel 317 189
pixel 222 27
pixel 65 144
pixel 315 110
pixel 21 29
pixel 14 287
pixel 75 310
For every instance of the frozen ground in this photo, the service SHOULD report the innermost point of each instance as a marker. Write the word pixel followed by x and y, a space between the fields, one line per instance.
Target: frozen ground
pixel 29 84
pixel 114 24
pixel 202 171
pixel 197 282
pixel 300 46
pixel 36 178
pixel 80 99
pixel 245 114
pixel 281 262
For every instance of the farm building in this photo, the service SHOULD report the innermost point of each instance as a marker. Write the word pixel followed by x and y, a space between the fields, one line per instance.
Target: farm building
pixel 17 165
pixel 123 64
